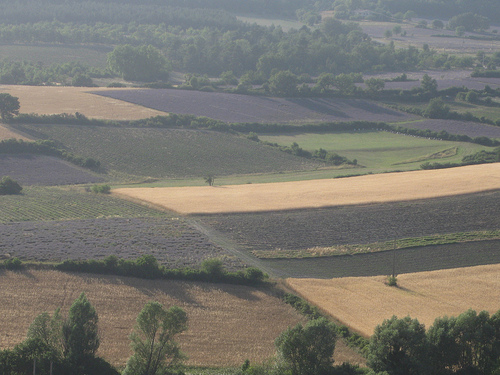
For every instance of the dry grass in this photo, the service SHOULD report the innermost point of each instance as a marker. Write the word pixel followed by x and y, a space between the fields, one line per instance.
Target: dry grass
pixel 48 100
pixel 364 302
pixel 321 193
pixel 6 133
pixel 227 323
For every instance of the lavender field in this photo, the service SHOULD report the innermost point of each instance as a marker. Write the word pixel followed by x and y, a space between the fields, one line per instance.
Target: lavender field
pixel 44 170
pixel 170 240
pixel 234 108
pixel 472 129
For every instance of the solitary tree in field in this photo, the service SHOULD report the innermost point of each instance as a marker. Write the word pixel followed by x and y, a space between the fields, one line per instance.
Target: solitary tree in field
pixel 153 340
pixel 9 106
pixel 9 186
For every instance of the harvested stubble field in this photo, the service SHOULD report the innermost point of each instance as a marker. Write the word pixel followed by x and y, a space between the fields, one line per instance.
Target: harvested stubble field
pixel 227 323
pixel 363 303
pixel 321 193
pixel 7 133
pixel 30 169
pixel 49 100
pixel 171 240
pixel 234 108
pixel 174 153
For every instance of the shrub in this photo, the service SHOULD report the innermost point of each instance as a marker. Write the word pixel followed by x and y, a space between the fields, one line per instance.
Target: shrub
pixel 392 281
pixel 100 189
pixel 13 264
pixel 8 186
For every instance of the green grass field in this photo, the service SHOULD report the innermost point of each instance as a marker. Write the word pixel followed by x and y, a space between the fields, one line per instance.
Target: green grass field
pixel 44 203
pixel 51 54
pixel 164 153
pixel 490 112
pixel 380 151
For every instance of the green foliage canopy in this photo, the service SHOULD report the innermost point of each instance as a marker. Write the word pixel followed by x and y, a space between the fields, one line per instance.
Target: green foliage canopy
pixel 153 340
pixel 308 350
pixel 145 63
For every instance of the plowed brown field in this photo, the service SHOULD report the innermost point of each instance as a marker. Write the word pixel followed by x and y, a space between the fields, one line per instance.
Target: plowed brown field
pixel 227 323
pixel 48 100
pixel 364 302
pixel 322 193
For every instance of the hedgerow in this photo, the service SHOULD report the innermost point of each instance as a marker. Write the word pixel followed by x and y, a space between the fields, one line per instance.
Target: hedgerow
pixel 147 267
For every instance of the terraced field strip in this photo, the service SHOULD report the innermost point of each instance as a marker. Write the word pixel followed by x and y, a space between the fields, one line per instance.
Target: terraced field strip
pixel 6 133
pixel 364 302
pixel 45 100
pixel 227 323
pixel 321 193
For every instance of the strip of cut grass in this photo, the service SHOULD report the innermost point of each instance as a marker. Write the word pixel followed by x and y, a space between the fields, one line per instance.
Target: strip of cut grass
pixel 403 243
pixel 53 203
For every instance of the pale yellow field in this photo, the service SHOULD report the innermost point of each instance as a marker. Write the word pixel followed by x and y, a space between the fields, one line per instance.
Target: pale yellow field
pixel 6 133
pixel 227 323
pixel 321 193
pixel 364 302
pixel 48 100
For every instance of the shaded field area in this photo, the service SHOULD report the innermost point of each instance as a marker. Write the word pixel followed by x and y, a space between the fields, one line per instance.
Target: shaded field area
pixel 169 239
pixel 170 152
pixel 53 203
pixel 418 259
pixel 472 129
pixel 44 170
pixel 227 324
pixel 363 303
pixel 303 229
pixel 245 108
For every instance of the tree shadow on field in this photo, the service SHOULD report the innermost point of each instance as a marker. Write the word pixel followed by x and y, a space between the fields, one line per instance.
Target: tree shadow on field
pixel 319 106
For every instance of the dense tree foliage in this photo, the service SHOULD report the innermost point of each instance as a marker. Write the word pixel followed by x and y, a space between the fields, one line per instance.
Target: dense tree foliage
pixel 8 186
pixel 308 350
pixel 153 340
pixel 9 106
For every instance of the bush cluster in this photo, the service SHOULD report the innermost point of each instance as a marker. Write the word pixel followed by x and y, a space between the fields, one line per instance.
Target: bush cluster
pixel 8 186
pixel 147 267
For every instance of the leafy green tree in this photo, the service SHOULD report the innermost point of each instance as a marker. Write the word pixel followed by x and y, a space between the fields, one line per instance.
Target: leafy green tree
pixel 324 81
pixel 9 106
pixel 80 334
pixel 437 109
pixel 9 186
pixel 398 346
pixel 153 340
pixel 308 350
pixel 144 63
pixel 283 83
pixel 437 24
pixel 374 85
pixel 345 84
pixel 469 22
pixel 48 330
pixel 428 84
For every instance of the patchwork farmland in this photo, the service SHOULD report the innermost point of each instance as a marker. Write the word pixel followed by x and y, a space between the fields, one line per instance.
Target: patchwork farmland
pixel 234 108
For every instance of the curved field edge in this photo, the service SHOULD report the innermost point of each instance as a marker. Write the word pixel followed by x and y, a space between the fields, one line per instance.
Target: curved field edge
pixel 390 187
pixel 49 100
pixel 363 303
pixel 227 323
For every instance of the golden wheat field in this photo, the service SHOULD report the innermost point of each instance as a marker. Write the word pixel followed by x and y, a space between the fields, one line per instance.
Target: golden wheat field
pixel 321 193
pixel 364 302
pixel 227 323
pixel 48 100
